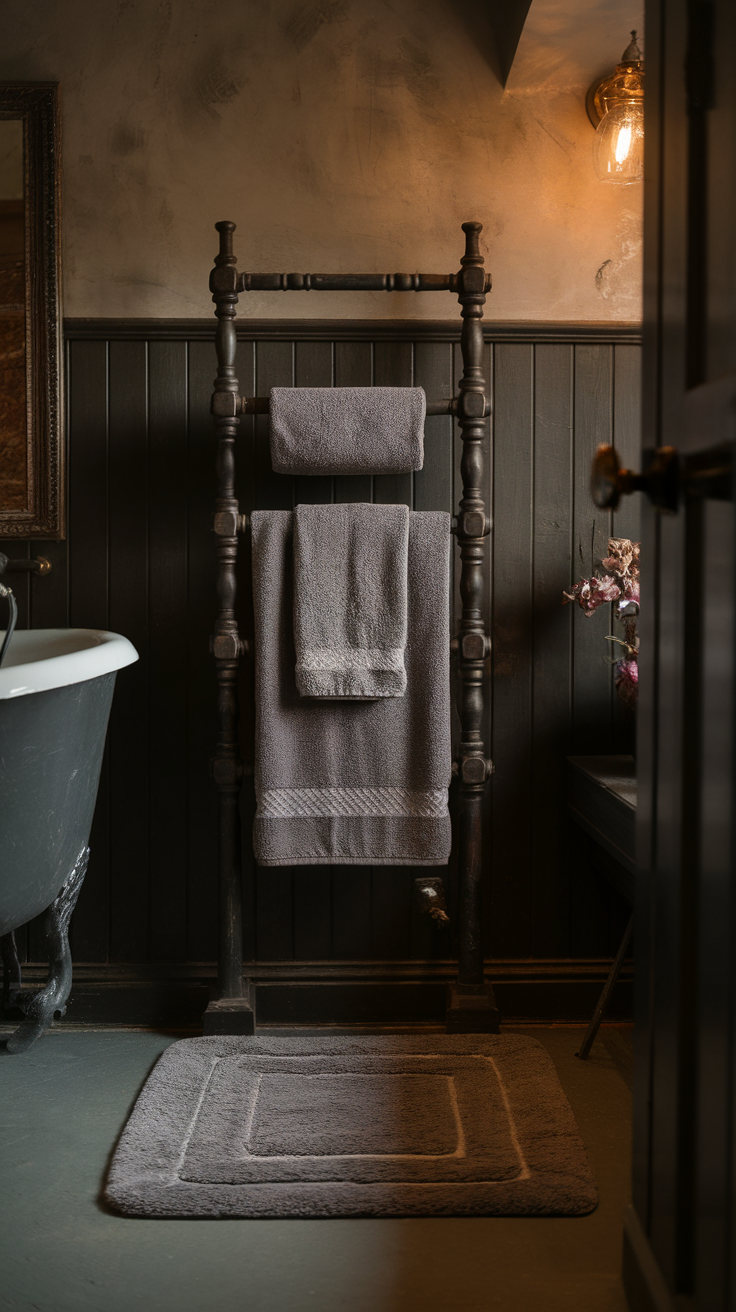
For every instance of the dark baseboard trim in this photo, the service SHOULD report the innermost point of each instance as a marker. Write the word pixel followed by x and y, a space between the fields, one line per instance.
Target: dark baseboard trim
pixel 176 995
pixel 643 1281
pixel 348 330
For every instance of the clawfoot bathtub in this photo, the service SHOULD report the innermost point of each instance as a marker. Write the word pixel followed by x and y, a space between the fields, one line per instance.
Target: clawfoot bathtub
pixel 56 688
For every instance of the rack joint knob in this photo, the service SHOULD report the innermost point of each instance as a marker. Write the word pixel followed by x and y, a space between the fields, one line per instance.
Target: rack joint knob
pixel 228 646
pixel 473 524
pixel 225 404
pixel 471 646
pixel 227 772
pixel 228 523
pixel 473 771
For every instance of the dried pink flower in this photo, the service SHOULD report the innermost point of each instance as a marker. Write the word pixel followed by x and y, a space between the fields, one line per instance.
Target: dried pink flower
pixel 630 589
pixel 619 584
pixel 627 681
pixel 592 593
pixel 622 558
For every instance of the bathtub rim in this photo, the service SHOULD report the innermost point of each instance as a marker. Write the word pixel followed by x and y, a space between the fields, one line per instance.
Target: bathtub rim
pixel 93 652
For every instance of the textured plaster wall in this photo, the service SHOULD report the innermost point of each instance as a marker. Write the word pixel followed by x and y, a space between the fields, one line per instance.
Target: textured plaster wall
pixel 340 135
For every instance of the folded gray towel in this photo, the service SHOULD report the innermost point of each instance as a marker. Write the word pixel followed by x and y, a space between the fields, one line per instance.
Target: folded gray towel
pixel 350 581
pixel 347 430
pixel 352 783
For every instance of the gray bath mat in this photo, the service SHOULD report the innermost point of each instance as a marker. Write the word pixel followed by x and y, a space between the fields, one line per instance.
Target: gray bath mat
pixel 375 1126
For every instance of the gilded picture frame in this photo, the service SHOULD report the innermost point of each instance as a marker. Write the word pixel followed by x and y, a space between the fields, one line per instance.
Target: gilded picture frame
pixel 32 500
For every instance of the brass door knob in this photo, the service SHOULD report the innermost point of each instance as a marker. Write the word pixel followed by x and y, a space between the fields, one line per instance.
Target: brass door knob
pixel 707 472
pixel 661 480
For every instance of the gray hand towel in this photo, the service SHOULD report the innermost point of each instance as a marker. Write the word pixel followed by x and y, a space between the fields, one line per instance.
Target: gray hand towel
pixel 350 588
pixel 352 783
pixel 347 430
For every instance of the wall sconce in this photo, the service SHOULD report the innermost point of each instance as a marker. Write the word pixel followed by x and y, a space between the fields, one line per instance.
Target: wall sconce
pixel 616 109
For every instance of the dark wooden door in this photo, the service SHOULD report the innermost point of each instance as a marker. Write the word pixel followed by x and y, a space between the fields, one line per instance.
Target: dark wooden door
pixel 679 1249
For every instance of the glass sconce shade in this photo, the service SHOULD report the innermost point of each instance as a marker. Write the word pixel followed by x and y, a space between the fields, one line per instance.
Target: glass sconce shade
pixel 618 148
pixel 616 109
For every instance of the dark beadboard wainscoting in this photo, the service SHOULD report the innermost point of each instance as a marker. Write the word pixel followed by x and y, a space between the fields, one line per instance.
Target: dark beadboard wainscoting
pixel 139 559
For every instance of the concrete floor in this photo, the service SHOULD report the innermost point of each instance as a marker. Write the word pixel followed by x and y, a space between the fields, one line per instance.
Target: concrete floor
pixel 64 1103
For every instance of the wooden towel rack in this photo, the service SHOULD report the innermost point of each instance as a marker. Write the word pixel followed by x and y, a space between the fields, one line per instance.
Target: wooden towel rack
pixel 471 1006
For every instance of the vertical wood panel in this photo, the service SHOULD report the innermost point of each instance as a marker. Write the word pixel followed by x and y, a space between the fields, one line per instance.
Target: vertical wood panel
pixel 312 913
pixel 88 604
pixel 391 894
pixel 128 741
pixel 168 639
pixel 592 681
pixel 551 567
pixel 627 433
pixel 512 655
pixel 627 519
pixel 351 913
pixel 49 600
pixel 201 819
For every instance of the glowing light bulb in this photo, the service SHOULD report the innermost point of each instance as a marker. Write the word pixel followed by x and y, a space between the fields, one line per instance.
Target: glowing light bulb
pixel 623 144
pixel 619 143
pixel 616 106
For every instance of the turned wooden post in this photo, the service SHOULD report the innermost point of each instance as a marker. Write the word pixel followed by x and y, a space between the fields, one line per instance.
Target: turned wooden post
pixel 471 1004
pixel 233 1012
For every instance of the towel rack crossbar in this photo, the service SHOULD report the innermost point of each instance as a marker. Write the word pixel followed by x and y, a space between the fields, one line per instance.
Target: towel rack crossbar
pixel 350 282
pixel 259 405
pixel 471 1006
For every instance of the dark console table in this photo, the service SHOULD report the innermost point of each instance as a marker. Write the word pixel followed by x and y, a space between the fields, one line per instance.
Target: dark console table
pixel 601 799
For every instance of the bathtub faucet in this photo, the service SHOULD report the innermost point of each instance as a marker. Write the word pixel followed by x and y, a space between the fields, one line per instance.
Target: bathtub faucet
pixel 7 594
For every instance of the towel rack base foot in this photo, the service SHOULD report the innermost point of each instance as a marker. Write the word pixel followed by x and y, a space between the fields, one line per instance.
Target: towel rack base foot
pixel 472 1013
pixel 232 1015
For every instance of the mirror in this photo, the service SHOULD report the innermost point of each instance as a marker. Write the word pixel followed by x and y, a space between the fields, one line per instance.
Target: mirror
pixel 31 415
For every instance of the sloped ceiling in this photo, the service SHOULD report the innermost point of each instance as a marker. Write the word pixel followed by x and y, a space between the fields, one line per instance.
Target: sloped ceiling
pixel 495 26
pixel 507 18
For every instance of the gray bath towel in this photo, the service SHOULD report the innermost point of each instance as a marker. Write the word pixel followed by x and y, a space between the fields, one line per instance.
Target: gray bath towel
pixel 352 783
pixel 350 589
pixel 347 430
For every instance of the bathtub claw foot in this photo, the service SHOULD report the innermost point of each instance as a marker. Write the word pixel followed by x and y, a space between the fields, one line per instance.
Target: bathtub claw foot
pixel 49 1003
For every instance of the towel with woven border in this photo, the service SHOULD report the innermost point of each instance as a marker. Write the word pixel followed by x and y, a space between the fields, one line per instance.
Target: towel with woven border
pixel 350 600
pixel 343 782
pixel 347 430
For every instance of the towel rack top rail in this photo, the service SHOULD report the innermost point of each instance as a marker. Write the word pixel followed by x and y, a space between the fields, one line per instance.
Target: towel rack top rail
pixel 351 282
pixel 471 1004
